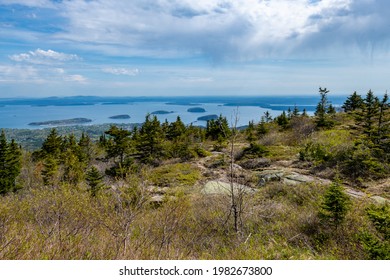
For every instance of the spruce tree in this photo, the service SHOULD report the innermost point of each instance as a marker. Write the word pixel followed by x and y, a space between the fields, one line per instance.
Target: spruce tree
pixel 150 139
pixel 50 171
pixel 282 120
pixel 353 103
pixel 218 129
pixel 335 204
pixel 94 180
pixel 323 110
pixel 10 164
pixel 119 144
pixel 176 129
pixel 52 145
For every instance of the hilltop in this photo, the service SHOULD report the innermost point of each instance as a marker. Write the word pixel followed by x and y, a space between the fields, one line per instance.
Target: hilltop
pixel 290 187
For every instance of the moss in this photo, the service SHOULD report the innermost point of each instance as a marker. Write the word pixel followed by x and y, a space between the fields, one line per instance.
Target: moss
pixel 175 175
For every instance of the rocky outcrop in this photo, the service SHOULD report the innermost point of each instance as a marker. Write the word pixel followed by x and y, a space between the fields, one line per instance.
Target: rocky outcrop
pixel 219 187
pixel 287 177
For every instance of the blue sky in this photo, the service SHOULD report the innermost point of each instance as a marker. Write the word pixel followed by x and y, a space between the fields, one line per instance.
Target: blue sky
pixel 186 47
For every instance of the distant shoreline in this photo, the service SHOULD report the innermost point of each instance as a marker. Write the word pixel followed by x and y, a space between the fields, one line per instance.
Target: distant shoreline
pixel 62 122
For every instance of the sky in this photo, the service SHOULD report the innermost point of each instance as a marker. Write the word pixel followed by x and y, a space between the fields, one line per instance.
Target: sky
pixel 187 47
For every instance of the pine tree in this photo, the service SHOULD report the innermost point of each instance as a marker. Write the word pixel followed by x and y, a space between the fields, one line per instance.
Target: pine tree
pixel 353 103
pixel 218 129
pixel 94 180
pixel 295 112
pixel 10 164
pixel 52 145
pixel 150 139
pixel 323 110
pixel 366 120
pixel 267 117
pixel 250 132
pixel 335 204
pixel 119 144
pixel 282 120
pixel 5 185
pixel 262 128
pixel 50 171
pixel 176 129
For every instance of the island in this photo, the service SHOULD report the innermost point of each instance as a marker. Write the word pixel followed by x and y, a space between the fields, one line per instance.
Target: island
pixel 162 112
pixel 62 122
pixel 120 117
pixel 208 118
pixel 196 110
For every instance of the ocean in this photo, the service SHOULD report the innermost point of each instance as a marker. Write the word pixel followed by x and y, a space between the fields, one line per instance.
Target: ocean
pixel 20 112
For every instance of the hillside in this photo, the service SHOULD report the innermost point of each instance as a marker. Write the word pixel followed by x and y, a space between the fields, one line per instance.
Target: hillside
pixel 293 187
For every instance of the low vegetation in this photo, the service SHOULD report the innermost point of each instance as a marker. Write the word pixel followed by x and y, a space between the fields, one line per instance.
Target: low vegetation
pixel 137 192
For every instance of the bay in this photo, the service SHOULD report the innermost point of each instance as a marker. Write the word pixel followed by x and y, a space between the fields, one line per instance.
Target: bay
pixel 18 113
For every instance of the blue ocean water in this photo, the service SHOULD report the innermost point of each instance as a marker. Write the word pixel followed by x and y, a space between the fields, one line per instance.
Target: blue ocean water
pixel 18 113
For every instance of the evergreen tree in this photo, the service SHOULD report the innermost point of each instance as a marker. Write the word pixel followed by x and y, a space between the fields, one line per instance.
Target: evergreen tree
pixel 94 180
pixel 289 114
pixel 383 122
pixel 85 148
pixel 295 112
pixel 218 129
pixel 353 103
pixel 119 144
pixel 52 145
pixel 176 129
pixel 323 110
pixel 282 120
pixel 250 132
pixel 367 119
pixel 335 204
pixel 10 164
pixel 150 139
pixel 267 117
pixel 262 128
pixel 50 171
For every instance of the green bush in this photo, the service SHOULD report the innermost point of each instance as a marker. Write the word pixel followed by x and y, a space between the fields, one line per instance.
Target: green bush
pixel 377 243
pixel 175 175
pixel 254 151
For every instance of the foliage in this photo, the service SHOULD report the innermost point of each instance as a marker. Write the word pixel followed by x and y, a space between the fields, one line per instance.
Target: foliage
pixel 174 175
pixel 94 180
pixel 324 110
pixel 377 242
pixel 353 103
pixel 335 205
pixel 150 139
pixel 10 164
pixel 218 129
pixel 254 151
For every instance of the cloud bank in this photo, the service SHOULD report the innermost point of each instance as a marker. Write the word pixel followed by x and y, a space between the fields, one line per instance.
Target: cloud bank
pixel 43 57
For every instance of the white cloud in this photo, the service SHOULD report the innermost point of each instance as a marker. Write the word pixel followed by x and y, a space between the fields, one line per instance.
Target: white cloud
pixel 220 29
pixel 121 71
pixel 43 57
pixel 19 74
pixel 75 78
pixel 227 29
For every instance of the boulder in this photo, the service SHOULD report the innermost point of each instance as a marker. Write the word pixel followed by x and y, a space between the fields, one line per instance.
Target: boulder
pixel 219 187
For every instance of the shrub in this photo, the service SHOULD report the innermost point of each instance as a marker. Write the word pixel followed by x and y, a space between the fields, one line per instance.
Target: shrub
pixel 175 175
pixel 377 243
pixel 335 205
pixel 254 151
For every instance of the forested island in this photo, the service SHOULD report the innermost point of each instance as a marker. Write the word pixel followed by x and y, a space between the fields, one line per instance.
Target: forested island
pixel 120 117
pixel 290 187
pixel 62 122
pixel 162 112
pixel 208 118
pixel 196 110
